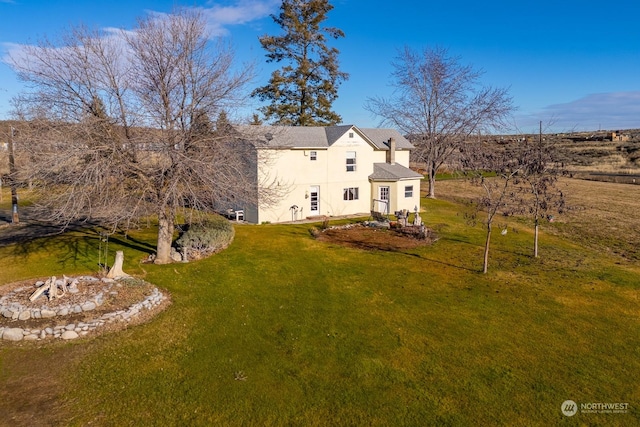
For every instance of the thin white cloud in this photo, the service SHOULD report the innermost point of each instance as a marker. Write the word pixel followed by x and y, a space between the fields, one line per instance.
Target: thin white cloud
pixel 243 12
pixel 218 18
pixel 607 111
pixel 14 50
pixel 614 110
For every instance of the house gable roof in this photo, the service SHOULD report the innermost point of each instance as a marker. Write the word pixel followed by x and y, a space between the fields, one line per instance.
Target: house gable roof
pixel 392 172
pixel 285 136
pixel 380 138
pixel 320 137
pixel 335 132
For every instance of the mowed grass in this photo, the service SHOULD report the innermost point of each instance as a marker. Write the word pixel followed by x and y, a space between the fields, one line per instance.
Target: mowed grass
pixel 281 329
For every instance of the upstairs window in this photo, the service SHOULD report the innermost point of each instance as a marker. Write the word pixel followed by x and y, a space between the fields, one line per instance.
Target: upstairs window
pixel 351 161
pixel 313 155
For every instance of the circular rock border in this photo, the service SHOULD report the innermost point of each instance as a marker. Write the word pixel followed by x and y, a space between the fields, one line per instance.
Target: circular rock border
pixel 16 311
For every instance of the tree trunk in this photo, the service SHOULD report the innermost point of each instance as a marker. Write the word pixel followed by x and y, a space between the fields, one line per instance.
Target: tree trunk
pixel 485 265
pixel 432 183
pixel 165 237
pixel 535 239
pixel 15 218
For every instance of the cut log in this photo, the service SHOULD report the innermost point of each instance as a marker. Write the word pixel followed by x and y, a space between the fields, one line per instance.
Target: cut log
pixel 53 288
pixel 38 292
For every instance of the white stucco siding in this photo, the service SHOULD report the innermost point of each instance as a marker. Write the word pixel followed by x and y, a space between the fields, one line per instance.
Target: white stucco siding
pixel 404 202
pixel 402 157
pixel 398 199
pixel 291 173
pixel 365 158
pixel 294 173
pixel 293 166
pixel 342 176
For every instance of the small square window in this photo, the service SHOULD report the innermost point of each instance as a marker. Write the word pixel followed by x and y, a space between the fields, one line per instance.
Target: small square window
pixel 313 155
pixel 350 134
pixel 350 193
pixel 408 191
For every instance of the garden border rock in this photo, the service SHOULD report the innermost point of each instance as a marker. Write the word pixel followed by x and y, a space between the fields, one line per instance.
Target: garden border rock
pixel 16 311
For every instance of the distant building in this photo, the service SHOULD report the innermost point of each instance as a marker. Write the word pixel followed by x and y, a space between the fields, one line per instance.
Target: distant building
pixel 617 136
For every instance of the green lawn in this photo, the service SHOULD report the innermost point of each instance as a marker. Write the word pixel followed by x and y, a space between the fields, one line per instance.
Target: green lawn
pixel 281 329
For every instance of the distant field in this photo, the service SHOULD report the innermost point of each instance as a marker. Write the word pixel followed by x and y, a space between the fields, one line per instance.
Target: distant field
pixel 601 214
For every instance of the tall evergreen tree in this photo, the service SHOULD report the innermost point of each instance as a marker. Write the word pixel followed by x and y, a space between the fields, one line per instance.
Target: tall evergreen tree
pixel 303 91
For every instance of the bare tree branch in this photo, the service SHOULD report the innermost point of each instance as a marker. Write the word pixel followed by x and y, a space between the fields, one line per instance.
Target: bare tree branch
pixel 439 103
pixel 119 124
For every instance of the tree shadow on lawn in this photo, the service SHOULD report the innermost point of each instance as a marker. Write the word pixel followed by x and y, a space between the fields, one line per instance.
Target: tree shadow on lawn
pixel 76 244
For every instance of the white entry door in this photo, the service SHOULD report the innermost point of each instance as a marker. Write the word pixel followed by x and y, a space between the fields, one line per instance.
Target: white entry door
pixel 383 200
pixel 314 200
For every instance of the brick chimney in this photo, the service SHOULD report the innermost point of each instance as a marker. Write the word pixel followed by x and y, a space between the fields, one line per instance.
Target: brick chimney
pixel 391 154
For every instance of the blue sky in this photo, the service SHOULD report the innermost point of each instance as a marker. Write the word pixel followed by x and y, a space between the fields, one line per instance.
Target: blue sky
pixel 575 65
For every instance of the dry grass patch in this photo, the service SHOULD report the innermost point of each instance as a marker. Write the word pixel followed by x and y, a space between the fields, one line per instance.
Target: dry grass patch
pixel 600 214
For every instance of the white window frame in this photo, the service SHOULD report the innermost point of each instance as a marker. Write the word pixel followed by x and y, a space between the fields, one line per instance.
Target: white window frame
pixel 351 193
pixel 408 191
pixel 351 161
pixel 313 155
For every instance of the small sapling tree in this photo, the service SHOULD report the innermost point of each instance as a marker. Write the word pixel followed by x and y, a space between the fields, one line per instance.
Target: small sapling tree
pixel 495 172
pixel 537 181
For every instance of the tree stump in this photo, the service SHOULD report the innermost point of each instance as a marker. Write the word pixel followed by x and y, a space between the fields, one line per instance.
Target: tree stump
pixel 116 271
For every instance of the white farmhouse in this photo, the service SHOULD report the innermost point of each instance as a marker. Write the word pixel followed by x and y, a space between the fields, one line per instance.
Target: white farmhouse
pixel 331 171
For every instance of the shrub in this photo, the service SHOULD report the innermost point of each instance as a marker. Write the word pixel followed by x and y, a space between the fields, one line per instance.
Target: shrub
pixel 204 238
pixel 325 223
pixel 314 231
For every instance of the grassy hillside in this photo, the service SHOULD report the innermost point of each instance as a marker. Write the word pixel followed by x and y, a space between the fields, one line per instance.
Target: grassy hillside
pixel 283 329
pixel 587 155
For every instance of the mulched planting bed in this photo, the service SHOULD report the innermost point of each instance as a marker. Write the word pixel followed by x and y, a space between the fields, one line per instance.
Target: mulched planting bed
pixel 375 238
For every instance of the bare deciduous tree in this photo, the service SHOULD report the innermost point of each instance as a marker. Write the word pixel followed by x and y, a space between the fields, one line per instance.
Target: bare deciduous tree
pixel 439 103
pixel 540 168
pixel 499 196
pixel 119 124
pixel 518 179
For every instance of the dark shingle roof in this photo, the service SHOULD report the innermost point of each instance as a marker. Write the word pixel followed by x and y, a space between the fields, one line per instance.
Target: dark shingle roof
pixel 335 132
